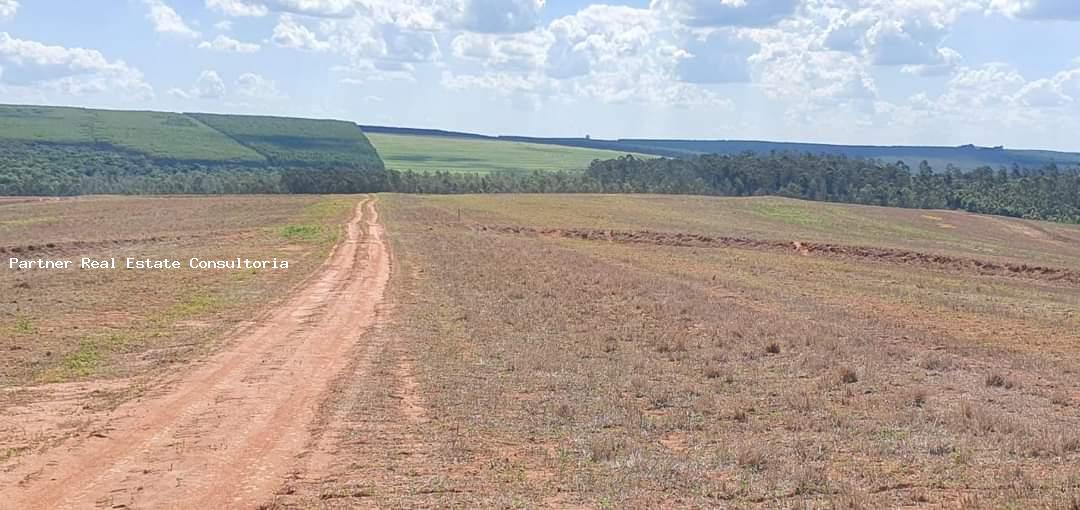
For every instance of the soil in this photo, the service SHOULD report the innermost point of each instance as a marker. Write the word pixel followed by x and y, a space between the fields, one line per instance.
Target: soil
pixel 226 433
pixel 925 260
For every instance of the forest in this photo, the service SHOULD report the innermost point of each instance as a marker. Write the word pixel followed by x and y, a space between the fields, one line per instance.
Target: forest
pixel 1046 193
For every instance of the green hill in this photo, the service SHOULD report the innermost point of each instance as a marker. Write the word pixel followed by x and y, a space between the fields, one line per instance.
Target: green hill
pixel 424 153
pixel 297 141
pixel 63 151
pixel 964 157
pixel 155 134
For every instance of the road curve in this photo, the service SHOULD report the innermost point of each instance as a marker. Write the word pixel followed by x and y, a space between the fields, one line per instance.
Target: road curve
pixel 226 434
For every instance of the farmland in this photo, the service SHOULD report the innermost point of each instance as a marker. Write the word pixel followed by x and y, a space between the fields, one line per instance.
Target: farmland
pixel 469 155
pixel 74 324
pixel 560 370
pixel 297 141
pixel 595 351
pixel 154 134
pixel 67 151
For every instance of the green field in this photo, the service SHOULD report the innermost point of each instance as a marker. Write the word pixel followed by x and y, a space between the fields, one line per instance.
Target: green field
pixel 71 151
pixel 159 135
pixel 291 140
pixel 432 153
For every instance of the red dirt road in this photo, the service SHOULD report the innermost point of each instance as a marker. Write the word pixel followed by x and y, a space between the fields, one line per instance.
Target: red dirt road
pixel 227 433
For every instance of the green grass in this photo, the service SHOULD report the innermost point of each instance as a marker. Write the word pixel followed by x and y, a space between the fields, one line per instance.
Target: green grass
pixel 466 155
pixel 301 232
pixel 155 134
pixel 297 141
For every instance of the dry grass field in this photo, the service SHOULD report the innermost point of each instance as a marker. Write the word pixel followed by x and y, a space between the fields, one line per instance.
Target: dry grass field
pixel 531 368
pixel 565 351
pixel 72 325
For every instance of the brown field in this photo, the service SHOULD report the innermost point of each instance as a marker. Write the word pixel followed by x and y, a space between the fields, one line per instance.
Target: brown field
pixel 546 371
pixel 595 351
pixel 61 328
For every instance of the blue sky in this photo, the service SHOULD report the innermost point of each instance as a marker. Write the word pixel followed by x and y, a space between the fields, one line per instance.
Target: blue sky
pixel 939 72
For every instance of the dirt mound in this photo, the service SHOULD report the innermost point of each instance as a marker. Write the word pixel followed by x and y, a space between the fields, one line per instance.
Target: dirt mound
pixel 891 255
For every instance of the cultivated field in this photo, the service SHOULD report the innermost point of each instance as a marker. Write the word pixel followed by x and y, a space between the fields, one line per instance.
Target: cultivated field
pixel 449 154
pixel 297 141
pixel 538 363
pixel 556 351
pixel 154 134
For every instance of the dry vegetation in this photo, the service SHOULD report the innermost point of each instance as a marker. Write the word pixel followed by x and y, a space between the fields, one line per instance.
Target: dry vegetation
pixel 541 371
pixel 134 327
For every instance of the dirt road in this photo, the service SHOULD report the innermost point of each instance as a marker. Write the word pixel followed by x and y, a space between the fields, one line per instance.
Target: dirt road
pixel 225 434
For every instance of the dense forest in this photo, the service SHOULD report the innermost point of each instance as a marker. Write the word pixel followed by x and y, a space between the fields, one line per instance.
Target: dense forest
pixel 1048 193
pixel 47 169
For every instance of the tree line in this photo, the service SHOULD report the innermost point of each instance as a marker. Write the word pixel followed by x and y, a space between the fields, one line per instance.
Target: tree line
pixel 1047 193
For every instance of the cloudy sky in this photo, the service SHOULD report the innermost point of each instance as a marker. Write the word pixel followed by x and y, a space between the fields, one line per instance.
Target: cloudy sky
pixel 941 72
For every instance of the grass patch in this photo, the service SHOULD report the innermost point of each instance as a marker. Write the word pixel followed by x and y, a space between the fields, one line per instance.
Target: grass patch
pixel 24 326
pixel 301 232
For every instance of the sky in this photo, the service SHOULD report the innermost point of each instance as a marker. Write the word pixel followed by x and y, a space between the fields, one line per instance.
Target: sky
pixel 887 72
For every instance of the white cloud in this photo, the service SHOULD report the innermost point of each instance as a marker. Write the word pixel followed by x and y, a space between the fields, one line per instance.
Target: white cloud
pixel 208 86
pixel 223 26
pixel 717 57
pixel 726 13
pixel 1062 89
pixel 501 16
pixel 225 43
pixel 73 71
pixel 238 8
pixel 518 52
pixel 257 87
pixel 167 21
pixel 1038 9
pixel 8 8
pixel 611 54
pixel 892 33
pixel 289 33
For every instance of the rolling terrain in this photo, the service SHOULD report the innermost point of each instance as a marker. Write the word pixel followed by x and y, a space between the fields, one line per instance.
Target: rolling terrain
pixel 966 157
pixel 429 153
pixel 592 351
pixel 68 151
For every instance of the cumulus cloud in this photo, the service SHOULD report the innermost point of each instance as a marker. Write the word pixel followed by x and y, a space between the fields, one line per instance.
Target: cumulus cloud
pixel 255 86
pixel 228 44
pixel 167 21
pixel 718 57
pixel 289 33
pixel 8 8
pixel 500 16
pixel 209 85
pixel 612 54
pixel 909 33
pixel 1038 9
pixel 519 52
pixel 238 7
pixel 73 71
pixel 726 13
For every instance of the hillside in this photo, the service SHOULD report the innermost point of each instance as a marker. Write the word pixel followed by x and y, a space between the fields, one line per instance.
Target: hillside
pixel 67 151
pixel 965 157
pixel 159 135
pixel 435 151
pixel 286 140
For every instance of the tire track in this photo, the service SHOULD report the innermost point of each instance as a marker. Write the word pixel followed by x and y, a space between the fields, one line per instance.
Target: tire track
pixel 226 434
